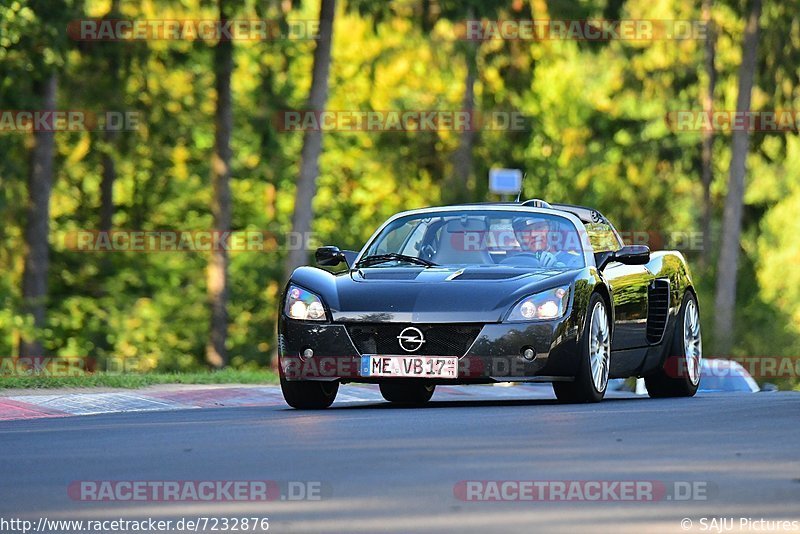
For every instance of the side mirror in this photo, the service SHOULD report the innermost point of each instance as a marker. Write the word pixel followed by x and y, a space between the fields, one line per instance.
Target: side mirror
pixel 329 256
pixel 628 255
pixel 633 255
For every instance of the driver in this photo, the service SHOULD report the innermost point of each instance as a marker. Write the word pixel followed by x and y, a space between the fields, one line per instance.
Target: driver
pixel 536 237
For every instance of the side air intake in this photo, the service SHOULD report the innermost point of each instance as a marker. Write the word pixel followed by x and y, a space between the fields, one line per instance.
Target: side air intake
pixel 657 310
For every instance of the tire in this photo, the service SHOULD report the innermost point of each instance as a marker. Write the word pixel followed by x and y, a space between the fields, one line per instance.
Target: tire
pixel 309 394
pixel 679 375
pixel 591 380
pixel 412 392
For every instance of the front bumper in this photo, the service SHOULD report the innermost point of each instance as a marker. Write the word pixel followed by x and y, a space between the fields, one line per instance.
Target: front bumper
pixel 495 355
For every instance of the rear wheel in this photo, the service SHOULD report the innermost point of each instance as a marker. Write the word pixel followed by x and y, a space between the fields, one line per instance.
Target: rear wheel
pixel 591 379
pixel 309 394
pixel 413 392
pixel 680 374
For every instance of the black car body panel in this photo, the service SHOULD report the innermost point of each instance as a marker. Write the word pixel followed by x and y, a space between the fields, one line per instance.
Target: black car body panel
pixel 434 295
pixel 462 311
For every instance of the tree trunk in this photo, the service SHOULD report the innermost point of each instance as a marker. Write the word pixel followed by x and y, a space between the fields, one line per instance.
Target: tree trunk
pixel 37 225
pixel 708 135
pixel 216 353
pixel 458 189
pixel 312 140
pixel 732 219
pixel 107 182
pixel 109 174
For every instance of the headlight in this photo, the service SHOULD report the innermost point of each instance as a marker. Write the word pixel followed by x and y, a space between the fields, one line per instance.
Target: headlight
pixel 550 304
pixel 303 305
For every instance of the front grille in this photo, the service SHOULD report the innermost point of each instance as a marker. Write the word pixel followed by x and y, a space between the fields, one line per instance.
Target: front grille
pixel 657 309
pixel 440 339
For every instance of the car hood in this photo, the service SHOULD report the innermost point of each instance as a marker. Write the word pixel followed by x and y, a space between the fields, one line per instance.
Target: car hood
pixel 435 295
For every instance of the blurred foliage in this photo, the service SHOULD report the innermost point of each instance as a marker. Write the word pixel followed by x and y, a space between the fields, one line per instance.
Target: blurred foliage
pixel 595 133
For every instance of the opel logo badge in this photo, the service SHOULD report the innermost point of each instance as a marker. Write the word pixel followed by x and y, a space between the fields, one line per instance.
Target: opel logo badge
pixel 411 339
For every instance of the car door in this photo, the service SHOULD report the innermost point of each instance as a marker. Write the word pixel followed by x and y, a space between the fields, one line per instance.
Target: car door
pixel 628 284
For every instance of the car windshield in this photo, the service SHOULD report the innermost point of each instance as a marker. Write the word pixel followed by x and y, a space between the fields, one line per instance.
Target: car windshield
pixel 491 237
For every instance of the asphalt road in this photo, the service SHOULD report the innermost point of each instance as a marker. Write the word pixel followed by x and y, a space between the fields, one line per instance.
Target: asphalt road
pixel 381 468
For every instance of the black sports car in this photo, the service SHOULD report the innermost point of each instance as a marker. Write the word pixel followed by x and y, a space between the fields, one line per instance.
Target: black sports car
pixel 490 293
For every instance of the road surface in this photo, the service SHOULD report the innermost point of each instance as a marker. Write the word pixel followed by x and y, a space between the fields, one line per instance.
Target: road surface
pixel 372 467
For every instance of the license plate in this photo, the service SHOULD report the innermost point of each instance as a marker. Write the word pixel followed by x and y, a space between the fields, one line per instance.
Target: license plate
pixel 410 366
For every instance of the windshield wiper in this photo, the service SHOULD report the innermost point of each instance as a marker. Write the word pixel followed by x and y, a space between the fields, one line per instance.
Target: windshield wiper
pixel 393 256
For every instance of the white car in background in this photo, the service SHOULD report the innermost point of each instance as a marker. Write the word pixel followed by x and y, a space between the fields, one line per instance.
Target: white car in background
pixel 716 376
pixel 726 375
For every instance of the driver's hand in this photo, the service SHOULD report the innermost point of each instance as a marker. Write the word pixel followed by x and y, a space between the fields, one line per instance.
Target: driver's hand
pixel 547 259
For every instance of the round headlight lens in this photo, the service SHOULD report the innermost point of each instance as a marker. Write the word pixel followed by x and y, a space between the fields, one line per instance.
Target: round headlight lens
pixel 548 310
pixel 315 310
pixel 528 309
pixel 298 310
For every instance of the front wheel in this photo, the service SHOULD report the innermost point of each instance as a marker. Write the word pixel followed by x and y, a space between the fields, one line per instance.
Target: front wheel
pixel 412 392
pixel 680 374
pixel 309 394
pixel 591 379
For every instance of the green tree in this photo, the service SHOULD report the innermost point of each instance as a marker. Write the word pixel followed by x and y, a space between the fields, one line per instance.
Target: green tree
pixel 216 351
pixel 312 140
pixel 48 47
pixel 728 266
